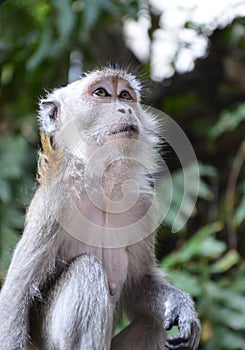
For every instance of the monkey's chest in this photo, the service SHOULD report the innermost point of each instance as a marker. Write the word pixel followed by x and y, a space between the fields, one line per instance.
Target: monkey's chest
pixel 114 261
pixel 98 222
pixel 105 230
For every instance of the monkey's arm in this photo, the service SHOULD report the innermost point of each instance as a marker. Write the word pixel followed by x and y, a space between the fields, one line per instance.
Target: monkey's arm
pixel 171 306
pixel 33 259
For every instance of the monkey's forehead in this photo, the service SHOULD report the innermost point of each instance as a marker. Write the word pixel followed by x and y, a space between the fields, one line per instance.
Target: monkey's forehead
pixel 114 73
pixel 81 85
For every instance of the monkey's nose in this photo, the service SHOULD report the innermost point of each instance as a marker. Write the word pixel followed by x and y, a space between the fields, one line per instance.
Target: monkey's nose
pixel 122 110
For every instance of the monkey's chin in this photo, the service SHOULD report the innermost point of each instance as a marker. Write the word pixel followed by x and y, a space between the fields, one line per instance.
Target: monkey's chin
pixel 130 131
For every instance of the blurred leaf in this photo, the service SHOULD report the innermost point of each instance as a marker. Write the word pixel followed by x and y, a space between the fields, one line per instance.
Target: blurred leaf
pixel 5 191
pixel 226 262
pixel 7 73
pixel 229 121
pixel 226 297
pixel 229 340
pixel 185 281
pixel 210 247
pixel 205 192
pixel 9 238
pixel 240 211
pixel 177 215
pixel 42 10
pixel 231 318
pixel 207 170
pixel 199 245
pixel 14 218
pixel 13 153
pixel 180 103
pixel 43 50
pixel 175 218
pixel 92 10
pixel 65 18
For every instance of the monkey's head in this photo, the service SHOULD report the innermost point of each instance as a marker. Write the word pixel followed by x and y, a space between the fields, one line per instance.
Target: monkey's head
pixel 101 110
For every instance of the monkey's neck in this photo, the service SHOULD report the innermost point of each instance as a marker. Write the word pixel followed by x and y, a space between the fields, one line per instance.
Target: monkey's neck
pixel 112 178
pixel 116 197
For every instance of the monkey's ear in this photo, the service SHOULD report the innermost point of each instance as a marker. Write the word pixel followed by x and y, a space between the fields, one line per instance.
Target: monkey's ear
pixel 48 115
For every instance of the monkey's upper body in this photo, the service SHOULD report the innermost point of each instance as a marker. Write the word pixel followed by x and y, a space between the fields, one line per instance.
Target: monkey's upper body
pixel 87 252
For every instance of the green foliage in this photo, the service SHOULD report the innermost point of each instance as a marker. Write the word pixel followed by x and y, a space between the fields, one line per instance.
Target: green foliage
pixel 240 211
pixel 171 195
pixel 232 120
pixel 183 102
pixel 15 189
pixel 229 121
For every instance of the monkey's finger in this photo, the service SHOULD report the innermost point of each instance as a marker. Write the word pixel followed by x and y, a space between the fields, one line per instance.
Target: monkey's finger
pixel 182 344
pixel 170 322
pixel 177 344
pixel 186 339
pixel 192 333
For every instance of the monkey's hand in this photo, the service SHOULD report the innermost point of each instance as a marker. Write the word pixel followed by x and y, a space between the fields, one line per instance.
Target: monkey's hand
pixel 180 311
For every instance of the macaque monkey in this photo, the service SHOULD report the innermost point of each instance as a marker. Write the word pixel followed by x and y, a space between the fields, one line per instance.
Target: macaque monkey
pixel 87 252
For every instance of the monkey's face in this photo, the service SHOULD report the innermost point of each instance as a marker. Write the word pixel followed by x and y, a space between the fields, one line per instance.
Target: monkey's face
pixel 118 101
pixel 100 110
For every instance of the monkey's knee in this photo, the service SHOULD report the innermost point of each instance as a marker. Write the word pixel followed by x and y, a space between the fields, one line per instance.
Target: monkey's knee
pixel 80 314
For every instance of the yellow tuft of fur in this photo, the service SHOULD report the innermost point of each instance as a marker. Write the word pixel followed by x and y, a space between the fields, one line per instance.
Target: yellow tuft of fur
pixel 48 159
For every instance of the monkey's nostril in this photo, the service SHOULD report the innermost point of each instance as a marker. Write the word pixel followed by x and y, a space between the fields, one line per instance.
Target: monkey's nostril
pixel 121 110
pixel 129 111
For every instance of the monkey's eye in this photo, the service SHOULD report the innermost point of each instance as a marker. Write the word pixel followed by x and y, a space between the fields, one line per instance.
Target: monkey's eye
pixel 125 95
pixel 101 92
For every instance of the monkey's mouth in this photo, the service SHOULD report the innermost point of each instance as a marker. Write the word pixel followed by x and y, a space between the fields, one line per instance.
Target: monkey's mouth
pixel 127 130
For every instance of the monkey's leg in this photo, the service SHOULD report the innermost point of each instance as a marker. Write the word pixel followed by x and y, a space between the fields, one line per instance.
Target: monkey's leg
pixel 80 316
pixel 141 334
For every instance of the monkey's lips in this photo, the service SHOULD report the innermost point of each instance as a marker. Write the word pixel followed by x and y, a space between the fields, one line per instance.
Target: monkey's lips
pixel 125 130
